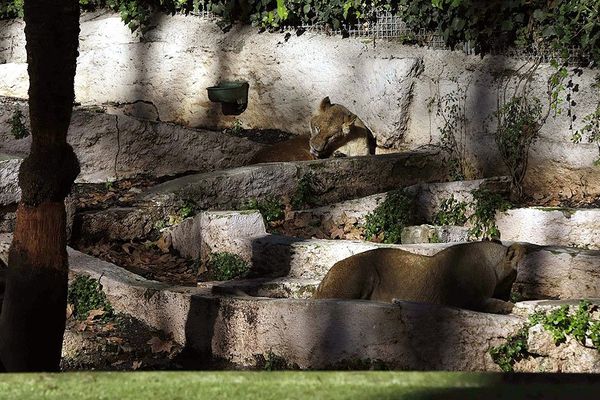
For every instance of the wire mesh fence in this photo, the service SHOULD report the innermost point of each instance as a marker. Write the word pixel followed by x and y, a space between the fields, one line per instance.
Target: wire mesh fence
pixel 390 27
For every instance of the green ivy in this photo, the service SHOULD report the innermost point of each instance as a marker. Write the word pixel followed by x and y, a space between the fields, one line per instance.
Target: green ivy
pixel 560 323
pixel 85 293
pixel 225 266
pixel 389 218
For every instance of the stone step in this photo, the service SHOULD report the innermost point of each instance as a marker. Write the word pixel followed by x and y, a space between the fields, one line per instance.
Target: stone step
pixel 335 179
pixel 552 226
pixel 427 199
pixel 319 334
pixel 546 272
pixel 434 234
pixel 279 288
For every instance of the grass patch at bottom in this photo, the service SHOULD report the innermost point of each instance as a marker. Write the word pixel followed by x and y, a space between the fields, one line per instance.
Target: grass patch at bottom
pixel 288 385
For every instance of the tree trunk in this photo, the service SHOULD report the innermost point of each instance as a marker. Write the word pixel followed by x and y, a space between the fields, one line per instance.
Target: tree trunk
pixel 32 321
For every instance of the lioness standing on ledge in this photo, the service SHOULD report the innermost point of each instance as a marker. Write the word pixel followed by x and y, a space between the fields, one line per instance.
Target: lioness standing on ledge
pixel 335 129
pixel 476 276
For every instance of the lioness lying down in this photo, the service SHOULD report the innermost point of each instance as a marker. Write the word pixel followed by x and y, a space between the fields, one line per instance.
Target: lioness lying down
pixel 334 130
pixel 477 276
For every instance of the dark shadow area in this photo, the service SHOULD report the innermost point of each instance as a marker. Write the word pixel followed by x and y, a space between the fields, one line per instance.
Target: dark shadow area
pixel 512 387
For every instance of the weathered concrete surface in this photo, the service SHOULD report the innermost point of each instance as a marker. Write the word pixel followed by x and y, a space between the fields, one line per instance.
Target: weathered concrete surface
pixel 10 192
pixel 559 273
pixel 336 179
pixel 551 226
pixel 393 88
pixel 159 76
pixel 434 234
pixel 113 147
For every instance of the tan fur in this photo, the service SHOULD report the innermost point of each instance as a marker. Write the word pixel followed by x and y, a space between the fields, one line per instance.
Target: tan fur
pixel 476 276
pixel 334 128
pixel 295 149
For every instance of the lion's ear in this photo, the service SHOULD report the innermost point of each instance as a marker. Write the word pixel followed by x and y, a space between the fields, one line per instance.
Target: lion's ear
pixel 325 104
pixel 515 252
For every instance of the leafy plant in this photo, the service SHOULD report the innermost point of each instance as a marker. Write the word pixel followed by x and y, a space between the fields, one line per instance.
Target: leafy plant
pixel 85 294
pixel 305 192
pixel 485 206
pixel 271 208
pixel 451 212
pixel 225 266
pixel 17 127
pixel 389 218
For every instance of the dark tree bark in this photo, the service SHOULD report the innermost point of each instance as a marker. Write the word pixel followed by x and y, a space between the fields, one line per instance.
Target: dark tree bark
pixel 32 321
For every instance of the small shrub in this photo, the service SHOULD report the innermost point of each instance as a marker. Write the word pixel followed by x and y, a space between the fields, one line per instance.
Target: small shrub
pixel 485 206
pixel 17 127
pixel 451 212
pixel 389 218
pixel 85 293
pixel 225 266
pixel 519 122
pixel 271 208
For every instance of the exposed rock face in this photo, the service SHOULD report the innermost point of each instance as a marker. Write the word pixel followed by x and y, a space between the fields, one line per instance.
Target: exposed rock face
pixel 113 147
pixel 551 226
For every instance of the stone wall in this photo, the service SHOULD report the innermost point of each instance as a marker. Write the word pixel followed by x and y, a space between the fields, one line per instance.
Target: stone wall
pixel 164 75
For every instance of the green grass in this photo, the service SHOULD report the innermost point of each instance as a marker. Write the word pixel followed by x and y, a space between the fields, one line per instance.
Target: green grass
pixel 278 386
